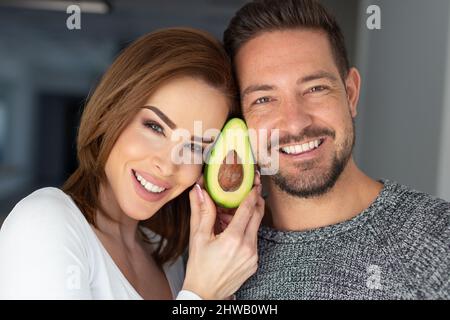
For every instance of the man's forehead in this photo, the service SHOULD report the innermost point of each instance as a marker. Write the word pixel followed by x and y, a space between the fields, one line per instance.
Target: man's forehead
pixel 296 52
pixel 286 44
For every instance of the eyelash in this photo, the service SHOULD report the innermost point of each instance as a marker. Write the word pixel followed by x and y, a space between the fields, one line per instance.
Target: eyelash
pixel 314 89
pixel 154 127
pixel 256 101
pixel 199 150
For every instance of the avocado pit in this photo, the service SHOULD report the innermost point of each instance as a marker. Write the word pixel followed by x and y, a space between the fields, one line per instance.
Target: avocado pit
pixel 231 172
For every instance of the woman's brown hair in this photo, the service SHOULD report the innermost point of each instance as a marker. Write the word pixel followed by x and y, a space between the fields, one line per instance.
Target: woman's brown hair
pixel 138 71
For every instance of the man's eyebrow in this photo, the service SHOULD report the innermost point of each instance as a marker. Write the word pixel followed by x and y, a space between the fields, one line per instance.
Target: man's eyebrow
pixel 173 126
pixel 310 77
pixel 162 116
pixel 318 75
pixel 256 87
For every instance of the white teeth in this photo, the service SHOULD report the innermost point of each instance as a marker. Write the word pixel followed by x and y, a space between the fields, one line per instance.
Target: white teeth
pixel 148 185
pixel 305 147
pixel 298 149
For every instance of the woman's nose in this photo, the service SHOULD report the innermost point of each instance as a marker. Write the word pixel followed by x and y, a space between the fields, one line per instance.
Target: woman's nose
pixel 164 165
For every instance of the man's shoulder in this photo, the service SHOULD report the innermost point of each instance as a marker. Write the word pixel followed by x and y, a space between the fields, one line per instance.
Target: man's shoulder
pixel 420 236
pixel 413 214
pixel 418 210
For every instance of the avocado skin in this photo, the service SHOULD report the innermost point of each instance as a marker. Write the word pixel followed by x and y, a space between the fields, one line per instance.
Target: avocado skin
pixel 219 202
pixel 224 199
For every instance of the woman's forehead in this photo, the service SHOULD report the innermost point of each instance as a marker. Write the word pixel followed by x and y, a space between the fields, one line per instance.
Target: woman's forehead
pixel 188 102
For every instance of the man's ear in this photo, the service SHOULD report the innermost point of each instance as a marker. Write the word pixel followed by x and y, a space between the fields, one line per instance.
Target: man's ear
pixel 353 86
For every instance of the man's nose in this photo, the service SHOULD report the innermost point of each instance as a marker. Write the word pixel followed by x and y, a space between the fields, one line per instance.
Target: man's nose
pixel 294 115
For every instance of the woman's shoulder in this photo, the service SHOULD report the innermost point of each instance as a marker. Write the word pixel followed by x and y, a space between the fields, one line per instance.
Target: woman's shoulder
pixel 43 244
pixel 44 207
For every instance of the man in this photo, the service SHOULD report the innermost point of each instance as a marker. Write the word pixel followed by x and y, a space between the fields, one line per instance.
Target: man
pixel 331 231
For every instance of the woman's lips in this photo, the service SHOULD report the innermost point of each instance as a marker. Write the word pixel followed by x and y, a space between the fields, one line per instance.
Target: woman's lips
pixel 148 177
pixel 143 193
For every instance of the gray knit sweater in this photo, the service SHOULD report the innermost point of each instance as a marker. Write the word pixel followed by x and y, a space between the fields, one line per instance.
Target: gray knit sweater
pixel 398 248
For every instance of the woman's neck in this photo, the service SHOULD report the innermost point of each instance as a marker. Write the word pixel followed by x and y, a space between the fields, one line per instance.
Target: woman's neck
pixel 113 222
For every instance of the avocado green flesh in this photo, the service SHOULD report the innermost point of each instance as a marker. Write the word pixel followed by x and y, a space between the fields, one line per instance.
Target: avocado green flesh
pixel 234 137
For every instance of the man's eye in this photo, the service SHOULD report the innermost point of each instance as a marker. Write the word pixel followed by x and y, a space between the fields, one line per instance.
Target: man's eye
pixel 154 126
pixel 262 100
pixel 317 89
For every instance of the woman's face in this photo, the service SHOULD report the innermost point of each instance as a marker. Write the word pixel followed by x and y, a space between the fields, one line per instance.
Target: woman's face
pixel 142 170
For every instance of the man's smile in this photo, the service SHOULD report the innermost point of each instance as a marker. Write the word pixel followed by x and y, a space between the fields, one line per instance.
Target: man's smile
pixel 297 149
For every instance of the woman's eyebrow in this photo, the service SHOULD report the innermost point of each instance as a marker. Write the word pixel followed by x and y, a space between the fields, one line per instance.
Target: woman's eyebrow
pixel 173 126
pixel 202 139
pixel 162 116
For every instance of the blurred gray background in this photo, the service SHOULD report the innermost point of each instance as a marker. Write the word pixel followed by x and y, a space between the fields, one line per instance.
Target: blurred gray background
pixel 46 72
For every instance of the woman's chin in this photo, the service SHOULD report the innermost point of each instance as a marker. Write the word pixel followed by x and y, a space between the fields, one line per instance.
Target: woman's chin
pixel 140 214
pixel 135 209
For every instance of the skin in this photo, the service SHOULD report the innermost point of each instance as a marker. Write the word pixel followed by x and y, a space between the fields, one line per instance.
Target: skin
pixel 147 148
pixel 276 64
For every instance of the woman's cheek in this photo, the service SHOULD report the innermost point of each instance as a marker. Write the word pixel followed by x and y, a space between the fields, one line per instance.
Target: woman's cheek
pixel 142 144
pixel 190 173
pixel 152 140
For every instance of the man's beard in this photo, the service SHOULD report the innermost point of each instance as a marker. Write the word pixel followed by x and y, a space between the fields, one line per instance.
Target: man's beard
pixel 315 185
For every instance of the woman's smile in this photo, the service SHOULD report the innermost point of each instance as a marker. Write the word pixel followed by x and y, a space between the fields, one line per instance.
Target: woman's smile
pixel 148 188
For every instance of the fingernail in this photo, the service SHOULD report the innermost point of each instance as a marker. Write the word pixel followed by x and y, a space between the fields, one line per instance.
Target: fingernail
pixel 259 189
pixel 199 192
pixel 258 173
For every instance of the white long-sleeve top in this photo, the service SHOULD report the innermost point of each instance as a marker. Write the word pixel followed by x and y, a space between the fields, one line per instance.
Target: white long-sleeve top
pixel 48 250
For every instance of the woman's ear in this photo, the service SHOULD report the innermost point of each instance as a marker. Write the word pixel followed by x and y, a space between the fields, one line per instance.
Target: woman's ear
pixel 353 86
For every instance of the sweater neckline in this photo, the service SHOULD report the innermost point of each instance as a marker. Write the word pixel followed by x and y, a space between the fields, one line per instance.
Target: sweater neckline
pixel 279 236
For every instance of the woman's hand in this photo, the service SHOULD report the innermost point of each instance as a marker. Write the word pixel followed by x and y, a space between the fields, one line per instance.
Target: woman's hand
pixel 219 264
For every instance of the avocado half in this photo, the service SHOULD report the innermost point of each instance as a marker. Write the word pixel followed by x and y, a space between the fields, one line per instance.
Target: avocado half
pixel 229 169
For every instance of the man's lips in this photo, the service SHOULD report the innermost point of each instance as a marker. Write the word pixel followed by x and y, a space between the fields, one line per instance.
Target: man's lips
pixel 320 140
pixel 303 155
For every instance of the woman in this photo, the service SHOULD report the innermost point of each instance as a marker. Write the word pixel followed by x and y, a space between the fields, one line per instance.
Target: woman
pixel 120 224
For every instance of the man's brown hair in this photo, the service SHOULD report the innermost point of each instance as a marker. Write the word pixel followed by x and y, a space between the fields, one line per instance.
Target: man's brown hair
pixel 261 16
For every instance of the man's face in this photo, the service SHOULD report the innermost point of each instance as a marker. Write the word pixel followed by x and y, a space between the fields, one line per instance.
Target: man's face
pixel 289 81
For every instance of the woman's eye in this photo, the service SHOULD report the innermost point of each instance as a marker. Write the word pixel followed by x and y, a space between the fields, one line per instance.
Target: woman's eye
pixel 193 147
pixel 262 100
pixel 154 126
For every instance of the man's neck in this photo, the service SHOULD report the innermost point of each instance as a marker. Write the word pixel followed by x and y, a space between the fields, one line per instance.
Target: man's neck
pixel 353 192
